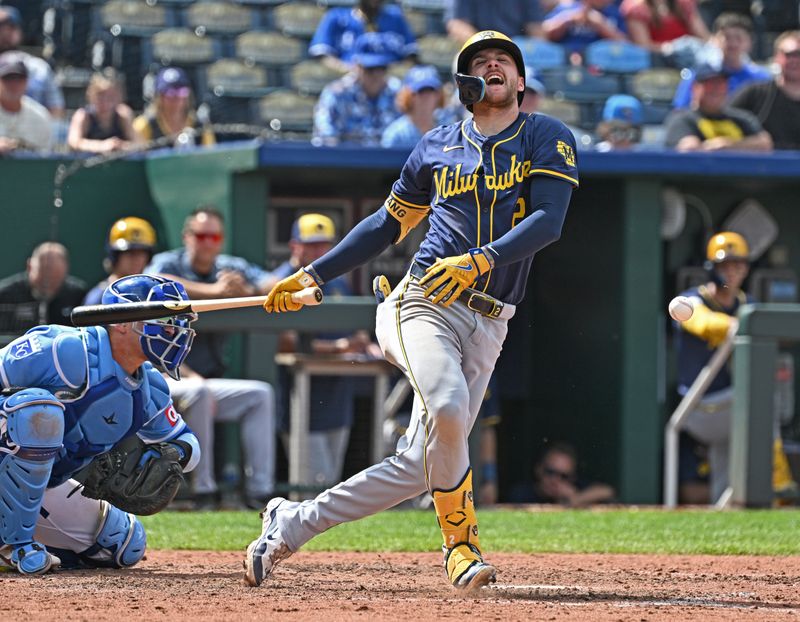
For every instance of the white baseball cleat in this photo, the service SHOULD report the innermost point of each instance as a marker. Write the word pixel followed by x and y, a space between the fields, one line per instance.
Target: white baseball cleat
pixel 268 549
pixel 479 575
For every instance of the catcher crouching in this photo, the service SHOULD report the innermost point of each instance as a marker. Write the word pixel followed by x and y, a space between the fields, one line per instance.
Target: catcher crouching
pixel 89 436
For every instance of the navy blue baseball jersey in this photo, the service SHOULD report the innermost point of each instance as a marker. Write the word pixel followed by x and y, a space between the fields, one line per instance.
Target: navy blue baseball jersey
pixel 696 342
pixel 478 188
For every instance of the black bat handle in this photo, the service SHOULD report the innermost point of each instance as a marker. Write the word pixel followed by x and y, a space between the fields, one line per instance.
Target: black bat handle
pixel 91 315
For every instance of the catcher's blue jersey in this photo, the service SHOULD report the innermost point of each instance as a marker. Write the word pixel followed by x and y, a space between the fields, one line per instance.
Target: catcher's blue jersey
pixel 479 188
pixel 103 403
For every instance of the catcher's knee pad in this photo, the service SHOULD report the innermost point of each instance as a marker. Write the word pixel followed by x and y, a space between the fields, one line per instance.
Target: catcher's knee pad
pixel 120 543
pixel 31 434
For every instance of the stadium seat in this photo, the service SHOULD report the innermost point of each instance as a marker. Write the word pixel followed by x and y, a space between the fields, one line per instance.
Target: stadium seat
pixel 277 52
pixel 134 18
pixel 568 112
pixel 259 2
pixel 309 77
pixel 424 5
pixel 579 84
pixel 655 114
pixel 439 51
pixel 73 82
pixel 617 56
pixel 541 54
pixel 232 77
pixel 654 85
pixel 418 22
pixel 779 15
pixel 269 48
pixel 298 19
pixel 654 135
pixel 67 32
pixel 330 3
pixel 399 70
pixel 181 46
pixel 285 110
pixel 219 18
pixel 764 45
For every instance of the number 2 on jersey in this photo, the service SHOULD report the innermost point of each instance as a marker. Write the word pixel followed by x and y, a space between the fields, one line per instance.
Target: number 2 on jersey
pixel 519 214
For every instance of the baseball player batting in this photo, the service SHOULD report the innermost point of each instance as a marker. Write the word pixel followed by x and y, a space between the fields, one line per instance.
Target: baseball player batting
pixel 496 189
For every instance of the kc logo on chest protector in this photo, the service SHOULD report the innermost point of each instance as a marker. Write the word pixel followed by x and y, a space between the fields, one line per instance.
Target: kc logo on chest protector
pixel 26 347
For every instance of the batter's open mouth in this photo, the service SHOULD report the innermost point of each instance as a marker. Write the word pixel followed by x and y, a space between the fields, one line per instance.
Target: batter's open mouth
pixel 495 78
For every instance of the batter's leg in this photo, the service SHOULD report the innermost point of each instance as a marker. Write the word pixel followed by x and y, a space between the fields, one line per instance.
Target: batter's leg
pixel 287 525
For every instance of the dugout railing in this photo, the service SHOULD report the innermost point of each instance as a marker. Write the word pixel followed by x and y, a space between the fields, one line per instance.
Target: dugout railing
pixel 754 345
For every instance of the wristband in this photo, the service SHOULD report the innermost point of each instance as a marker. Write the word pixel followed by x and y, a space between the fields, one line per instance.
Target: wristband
pixel 310 271
pixel 185 451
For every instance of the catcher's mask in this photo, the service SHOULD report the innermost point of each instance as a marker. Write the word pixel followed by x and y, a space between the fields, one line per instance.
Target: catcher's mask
pixel 471 89
pixel 166 341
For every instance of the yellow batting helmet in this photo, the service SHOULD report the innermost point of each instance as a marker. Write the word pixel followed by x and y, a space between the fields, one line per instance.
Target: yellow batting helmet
pixel 727 245
pixel 313 228
pixel 490 39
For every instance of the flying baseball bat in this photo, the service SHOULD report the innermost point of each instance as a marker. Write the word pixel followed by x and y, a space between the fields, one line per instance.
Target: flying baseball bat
pixel 90 315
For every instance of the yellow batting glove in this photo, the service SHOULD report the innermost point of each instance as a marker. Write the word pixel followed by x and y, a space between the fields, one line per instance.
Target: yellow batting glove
pixel 448 277
pixel 279 298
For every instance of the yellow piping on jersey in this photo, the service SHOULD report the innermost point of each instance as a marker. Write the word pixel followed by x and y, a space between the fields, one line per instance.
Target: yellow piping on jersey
pixel 554 174
pixel 511 176
pixel 413 381
pixel 408 203
pixel 474 174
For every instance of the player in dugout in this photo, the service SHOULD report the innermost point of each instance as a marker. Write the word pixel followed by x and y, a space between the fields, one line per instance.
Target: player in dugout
pixel 496 189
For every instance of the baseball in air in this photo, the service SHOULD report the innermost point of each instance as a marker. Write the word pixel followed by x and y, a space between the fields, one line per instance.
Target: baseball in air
pixel 680 308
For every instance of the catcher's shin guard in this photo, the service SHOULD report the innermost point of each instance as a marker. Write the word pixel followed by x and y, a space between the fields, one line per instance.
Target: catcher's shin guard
pixel 120 543
pixel 455 511
pixel 31 433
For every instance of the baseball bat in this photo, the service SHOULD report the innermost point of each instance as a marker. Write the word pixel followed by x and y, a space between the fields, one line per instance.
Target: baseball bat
pixel 91 315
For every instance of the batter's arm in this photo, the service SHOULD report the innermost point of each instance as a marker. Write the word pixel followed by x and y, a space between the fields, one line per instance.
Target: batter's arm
pixel 550 198
pixel 365 241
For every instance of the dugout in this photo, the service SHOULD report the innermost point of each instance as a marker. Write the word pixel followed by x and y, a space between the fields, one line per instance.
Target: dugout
pixel 588 357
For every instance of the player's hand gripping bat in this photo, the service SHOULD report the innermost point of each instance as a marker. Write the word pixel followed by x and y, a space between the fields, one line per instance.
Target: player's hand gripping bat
pixel 139 311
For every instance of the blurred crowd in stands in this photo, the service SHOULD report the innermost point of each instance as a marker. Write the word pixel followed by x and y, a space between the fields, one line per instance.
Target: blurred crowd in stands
pixel 101 76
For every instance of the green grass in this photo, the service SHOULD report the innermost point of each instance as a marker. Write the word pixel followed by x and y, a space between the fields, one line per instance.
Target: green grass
pixel 752 532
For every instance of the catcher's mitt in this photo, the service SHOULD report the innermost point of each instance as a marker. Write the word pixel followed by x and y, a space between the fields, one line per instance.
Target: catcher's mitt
pixel 118 477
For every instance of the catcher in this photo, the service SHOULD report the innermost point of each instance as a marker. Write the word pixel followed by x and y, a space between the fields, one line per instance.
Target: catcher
pixel 91 403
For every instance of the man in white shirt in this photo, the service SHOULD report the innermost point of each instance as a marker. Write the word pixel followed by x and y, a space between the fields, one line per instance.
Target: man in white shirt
pixel 24 123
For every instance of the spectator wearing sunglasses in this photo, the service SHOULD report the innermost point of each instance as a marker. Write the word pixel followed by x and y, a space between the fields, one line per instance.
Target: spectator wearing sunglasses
pixel 776 103
pixel 171 114
pixel 556 481
pixel 207 273
pixel 621 127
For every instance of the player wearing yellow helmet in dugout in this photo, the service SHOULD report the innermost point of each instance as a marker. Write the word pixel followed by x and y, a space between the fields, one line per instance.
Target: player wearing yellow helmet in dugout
pixel 716 304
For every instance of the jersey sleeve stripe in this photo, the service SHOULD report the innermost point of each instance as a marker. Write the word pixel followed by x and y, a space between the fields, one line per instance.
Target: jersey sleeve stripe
pixel 409 204
pixel 179 428
pixel 544 171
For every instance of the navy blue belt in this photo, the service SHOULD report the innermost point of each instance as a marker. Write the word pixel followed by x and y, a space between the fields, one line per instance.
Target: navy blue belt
pixel 475 300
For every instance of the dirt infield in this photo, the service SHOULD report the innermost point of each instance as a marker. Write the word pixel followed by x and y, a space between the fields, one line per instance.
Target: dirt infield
pixel 368 586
